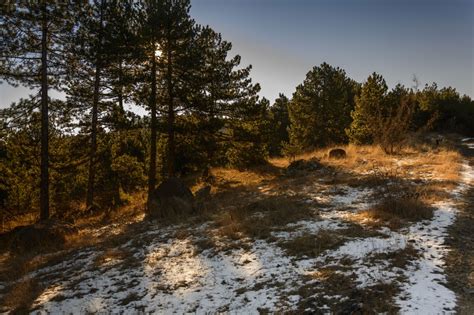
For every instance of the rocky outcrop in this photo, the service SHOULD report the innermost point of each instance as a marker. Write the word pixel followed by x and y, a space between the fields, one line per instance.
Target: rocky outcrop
pixel 50 234
pixel 171 198
pixel 298 166
pixel 337 153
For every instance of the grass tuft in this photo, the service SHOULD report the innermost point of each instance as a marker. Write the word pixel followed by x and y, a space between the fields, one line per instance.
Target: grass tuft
pixel 259 218
pixel 311 245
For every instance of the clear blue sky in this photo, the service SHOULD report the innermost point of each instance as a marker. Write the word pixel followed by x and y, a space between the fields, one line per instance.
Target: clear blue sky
pixel 284 39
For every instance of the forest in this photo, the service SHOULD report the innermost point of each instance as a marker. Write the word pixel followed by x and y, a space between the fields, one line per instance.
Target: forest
pixel 128 95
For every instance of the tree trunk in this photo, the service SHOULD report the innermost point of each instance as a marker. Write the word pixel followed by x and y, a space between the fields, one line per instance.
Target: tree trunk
pixel 171 118
pixel 153 127
pixel 44 180
pixel 95 105
pixel 120 91
pixel 93 148
pixel 211 140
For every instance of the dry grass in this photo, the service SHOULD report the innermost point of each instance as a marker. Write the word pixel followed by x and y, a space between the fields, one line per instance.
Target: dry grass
pixel 311 245
pixel 227 178
pixel 399 258
pixel 412 162
pixel 257 219
pixel 358 157
pixel 110 255
pixel 21 296
pixel 328 286
pixel 460 259
pixel 242 206
pixel 8 222
pixel 444 163
pixel 394 212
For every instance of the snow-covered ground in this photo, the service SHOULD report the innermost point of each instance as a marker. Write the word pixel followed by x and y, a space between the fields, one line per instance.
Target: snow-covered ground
pixel 469 142
pixel 160 273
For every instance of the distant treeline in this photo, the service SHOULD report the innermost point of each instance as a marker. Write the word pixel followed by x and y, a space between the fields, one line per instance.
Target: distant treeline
pixel 203 109
pixel 330 108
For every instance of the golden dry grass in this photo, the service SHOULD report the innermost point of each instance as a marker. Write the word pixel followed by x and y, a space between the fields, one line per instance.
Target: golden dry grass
pixel 229 178
pixel 311 245
pixel 399 258
pixel 365 166
pixel 357 157
pixel 250 204
pixel 257 219
pixel 330 282
pixel 393 212
pixel 412 162
pixel 443 162
pixel 21 296
pixel 110 255
pixel 10 222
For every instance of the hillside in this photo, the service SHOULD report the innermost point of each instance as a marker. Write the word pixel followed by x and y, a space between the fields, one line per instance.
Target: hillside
pixel 367 233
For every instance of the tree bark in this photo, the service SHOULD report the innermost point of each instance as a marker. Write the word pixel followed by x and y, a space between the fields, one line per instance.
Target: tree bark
pixel 44 168
pixel 153 127
pixel 93 147
pixel 95 105
pixel 171 117
pixel 120 91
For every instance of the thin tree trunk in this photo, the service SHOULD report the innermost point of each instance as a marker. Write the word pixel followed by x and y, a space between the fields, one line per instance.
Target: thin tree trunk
pixel 44 180
pixel 210 143
pixel 95 105
pixel 93 148
pixel 171 118
pixel 120 92
pixel 153 127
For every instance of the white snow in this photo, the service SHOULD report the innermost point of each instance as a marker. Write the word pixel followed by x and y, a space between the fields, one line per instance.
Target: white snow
pixel 425 291
pixel 164 274
pixel 174 278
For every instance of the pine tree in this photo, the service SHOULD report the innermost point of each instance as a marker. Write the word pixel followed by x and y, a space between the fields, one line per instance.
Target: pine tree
pixel 395 121
pixel 22 140
pixel 176 44
pixel 213 91
pixel 370 107
pixel 280 123
pixel 98 72
pixel 32 42
pixel 165 32
pixel 320 108
pixel 248 127
pixel 149 16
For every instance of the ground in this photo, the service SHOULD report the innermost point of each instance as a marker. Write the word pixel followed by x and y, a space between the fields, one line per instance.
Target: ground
pixel 368 234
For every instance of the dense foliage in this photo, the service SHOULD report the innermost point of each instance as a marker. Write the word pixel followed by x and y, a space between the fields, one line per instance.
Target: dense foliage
pixel 105 57
pixel 90 149
pixel 320 109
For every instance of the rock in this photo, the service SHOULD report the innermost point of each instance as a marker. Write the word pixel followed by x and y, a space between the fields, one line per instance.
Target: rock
pixel 312 164
pixel 203 193
pixel 50 234
pixel 171 198
pixel 337 153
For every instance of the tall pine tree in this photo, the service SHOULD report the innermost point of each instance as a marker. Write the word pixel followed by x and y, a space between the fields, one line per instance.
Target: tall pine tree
pixel 320 108
pixel 32 36
pixel 280 123
pixel 370 106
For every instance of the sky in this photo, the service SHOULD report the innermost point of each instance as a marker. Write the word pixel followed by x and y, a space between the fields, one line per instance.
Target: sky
pixel 284 39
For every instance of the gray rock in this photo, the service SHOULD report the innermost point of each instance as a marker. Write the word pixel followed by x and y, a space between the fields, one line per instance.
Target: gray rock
pixel 303 166
pixel 49 234
pixel 171 198
pixel 337 153
pixel 203 193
